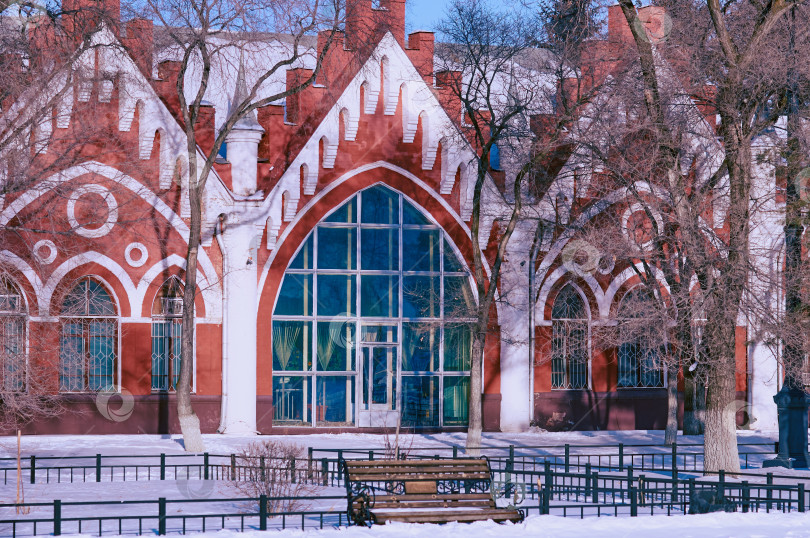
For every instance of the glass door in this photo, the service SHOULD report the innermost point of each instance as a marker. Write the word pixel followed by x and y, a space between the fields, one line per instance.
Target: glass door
pixel 379 377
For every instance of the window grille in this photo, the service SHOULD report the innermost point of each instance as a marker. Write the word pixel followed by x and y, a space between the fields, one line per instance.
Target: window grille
pixel 167 337
pixel 570 352
pixel 12 339
pixel 639 352
pixel 88 348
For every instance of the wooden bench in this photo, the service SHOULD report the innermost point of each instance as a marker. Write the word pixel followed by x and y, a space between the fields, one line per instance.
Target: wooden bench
pixel 422 491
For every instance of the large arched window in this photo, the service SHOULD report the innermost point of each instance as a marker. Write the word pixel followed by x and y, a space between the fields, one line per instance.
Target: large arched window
pixel 88 347
pixel 640 342
pixel 12 336
pixel 570 351
pixel 167 335
pixel 372 321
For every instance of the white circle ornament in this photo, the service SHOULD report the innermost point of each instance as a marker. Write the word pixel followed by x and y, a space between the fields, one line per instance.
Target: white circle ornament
pixel 112 211
pixel 41 257
pixel 141 258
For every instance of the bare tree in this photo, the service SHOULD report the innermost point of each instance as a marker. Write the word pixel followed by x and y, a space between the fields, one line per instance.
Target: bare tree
pixel 202 35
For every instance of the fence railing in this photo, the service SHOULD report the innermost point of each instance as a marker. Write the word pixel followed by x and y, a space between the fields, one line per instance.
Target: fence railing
pixel 162 516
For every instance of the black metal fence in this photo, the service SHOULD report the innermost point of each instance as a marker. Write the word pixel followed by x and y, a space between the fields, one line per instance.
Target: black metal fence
pixel 576 481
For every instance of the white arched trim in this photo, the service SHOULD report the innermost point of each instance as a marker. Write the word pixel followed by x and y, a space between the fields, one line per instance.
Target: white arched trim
pixel 345 177
pixel 210 294
pixel 119 177
pixel 8 257
pixel 621 279
pixel 77 261
pixel 555 277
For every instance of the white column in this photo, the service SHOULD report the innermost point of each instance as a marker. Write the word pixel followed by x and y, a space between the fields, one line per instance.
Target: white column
pixel 242 150
pixel 766 250
pixel 516 370
pixel 240 241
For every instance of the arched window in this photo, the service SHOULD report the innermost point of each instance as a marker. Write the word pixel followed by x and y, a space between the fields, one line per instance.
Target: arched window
pixel 88 347
pixel 570 352
pixel 372 321
pixel 167 335
pixel 640 342
pixel 12 337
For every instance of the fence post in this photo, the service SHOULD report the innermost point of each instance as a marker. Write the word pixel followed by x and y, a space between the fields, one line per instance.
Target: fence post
pixel 674 499
pixel 233 467
pixel 309 462
pixel 162 516
pixel 546 499
pixel 371 455
pixel 163 466
pixel 325 471
pixel 746 496
pixel 691 490
pixel 801 497
pixel 769 492
pixel 340 454
pixel 98 467
pixel 455 451
pixel 33 470
pixel 567 457
pixel 292 469
pixel 633 502
pixel 629 478
pixel 587 479
pixel 674 461
pixel 721 485
pixel 510 467
pixel 205 465
pixel 595 487
pixel 621 456
pixel 548 479
pixel 262 512
pixel 57 517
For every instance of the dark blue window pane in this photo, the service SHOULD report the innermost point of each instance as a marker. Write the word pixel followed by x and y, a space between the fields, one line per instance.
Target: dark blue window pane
pixel 292 349
pixel 458 297
pixel 336 248
pixel 346 213
pixel 379 249
pixel 380 206
pixel 420 297
pixel 411 215
pixel 378 296
pixel 336 295
pixel 295 297
pixel 303 260
pixel 291 399
pixel 420 250
pixel 457 347
pixel 420 347
pixel 495 157
pixel 335 400
pixel 451 262
pixel 456 392
pixel 420 401
pixel 335 346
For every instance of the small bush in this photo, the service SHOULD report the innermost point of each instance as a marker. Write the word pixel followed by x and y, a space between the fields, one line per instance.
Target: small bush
pixel 274 469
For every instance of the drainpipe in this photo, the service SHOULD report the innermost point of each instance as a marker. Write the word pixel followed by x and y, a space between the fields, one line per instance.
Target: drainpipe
pixel 223 410
pixel 532 264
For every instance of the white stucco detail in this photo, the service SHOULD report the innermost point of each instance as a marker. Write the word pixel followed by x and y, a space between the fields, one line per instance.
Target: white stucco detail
pixel 112 211
pixel 142 255
pixel 39 251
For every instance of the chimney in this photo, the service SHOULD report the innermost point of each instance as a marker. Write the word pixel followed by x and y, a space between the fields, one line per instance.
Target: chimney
pixel 420 51
pixel 140 42
pixel 81 17
pixel 394 20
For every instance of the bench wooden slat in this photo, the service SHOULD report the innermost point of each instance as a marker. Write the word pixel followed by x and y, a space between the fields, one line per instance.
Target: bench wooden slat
pixel 361 473
pixel 394 463
pixel 478 476
pixel 448 516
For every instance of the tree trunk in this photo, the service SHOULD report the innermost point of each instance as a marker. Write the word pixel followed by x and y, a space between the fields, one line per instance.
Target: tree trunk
pixel 474 424
pixel 720 445
pixel 671 432
pixel 189 422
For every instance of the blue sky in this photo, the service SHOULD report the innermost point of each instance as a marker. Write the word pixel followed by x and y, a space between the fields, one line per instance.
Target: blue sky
pixel 423 14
